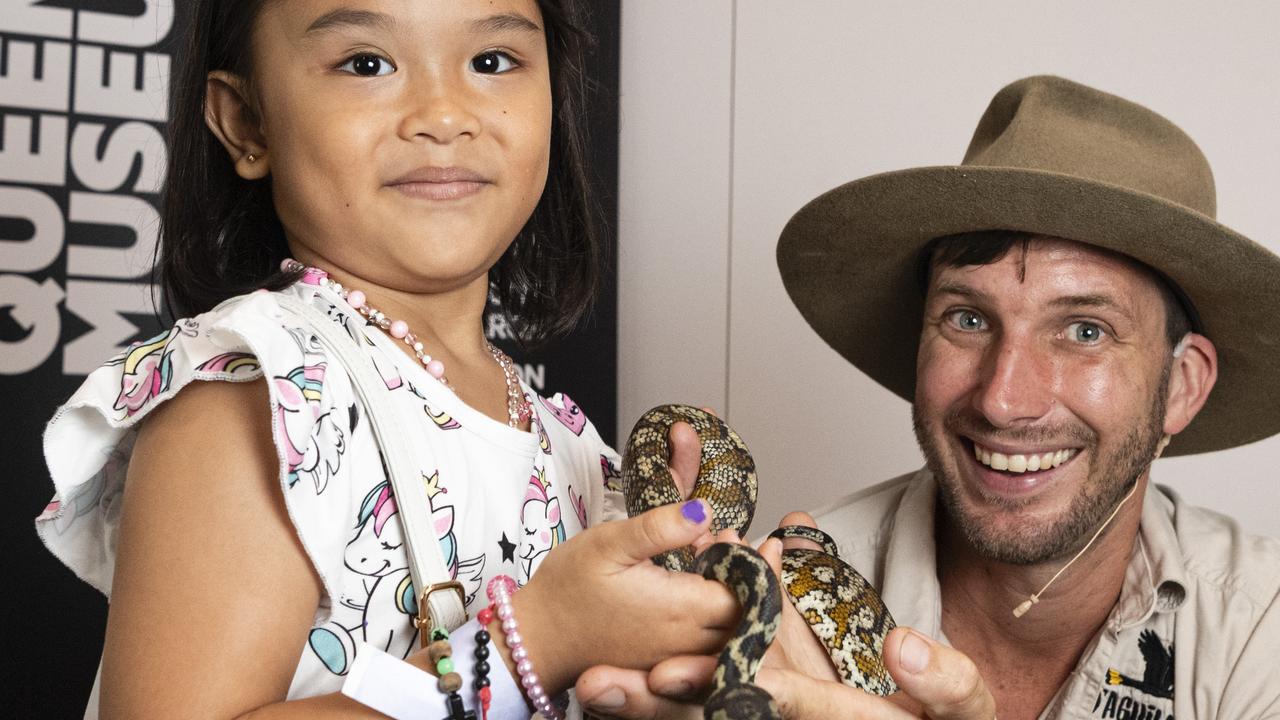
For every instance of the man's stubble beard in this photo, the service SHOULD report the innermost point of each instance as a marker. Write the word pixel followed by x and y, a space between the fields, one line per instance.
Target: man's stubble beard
pixel 1109 480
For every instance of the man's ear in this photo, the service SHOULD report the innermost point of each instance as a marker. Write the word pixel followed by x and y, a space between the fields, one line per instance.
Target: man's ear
pixel 231 118
pixel 1191 377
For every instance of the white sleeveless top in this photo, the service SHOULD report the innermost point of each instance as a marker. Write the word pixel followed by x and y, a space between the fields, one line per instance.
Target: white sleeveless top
pixel 513 495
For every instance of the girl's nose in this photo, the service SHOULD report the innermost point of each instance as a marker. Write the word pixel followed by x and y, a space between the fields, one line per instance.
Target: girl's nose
pixel 1016 387
pixel 440 113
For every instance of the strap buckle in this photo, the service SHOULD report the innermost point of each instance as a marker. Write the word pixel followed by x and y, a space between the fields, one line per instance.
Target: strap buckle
pixel 424 622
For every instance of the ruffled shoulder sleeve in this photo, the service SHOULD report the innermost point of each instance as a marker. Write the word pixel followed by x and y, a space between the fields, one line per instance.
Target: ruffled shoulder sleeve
pixel 88 442
pixel 596 462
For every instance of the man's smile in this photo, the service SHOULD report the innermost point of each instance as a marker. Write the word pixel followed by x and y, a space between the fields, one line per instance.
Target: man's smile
pixel 1013 470
pixel 1021 462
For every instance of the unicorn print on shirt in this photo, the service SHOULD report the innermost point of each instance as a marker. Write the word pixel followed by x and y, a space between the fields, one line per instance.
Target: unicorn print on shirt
pixel 376 553
pixel 540 518
pixel 567 412
pixel 148 368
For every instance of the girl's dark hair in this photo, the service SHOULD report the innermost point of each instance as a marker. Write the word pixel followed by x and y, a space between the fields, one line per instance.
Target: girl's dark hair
pixel 220 235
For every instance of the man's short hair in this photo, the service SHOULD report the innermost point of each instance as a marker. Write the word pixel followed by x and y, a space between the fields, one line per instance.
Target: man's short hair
pixel 983 247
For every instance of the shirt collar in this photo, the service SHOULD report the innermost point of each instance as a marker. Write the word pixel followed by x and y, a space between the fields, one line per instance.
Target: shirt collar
pixel 911 576
pixel 1155 581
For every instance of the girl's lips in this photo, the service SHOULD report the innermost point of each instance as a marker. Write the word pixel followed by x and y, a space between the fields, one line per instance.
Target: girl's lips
pixel 453 190
pixel 431 182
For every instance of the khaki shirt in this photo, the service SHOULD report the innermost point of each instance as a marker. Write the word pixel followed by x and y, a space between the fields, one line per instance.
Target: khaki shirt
pixel 1195 633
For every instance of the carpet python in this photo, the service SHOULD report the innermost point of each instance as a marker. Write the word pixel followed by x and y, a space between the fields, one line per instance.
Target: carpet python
pixel 841 607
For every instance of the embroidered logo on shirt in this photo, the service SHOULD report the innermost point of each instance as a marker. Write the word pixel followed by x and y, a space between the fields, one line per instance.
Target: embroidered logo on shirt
pixel 1156 682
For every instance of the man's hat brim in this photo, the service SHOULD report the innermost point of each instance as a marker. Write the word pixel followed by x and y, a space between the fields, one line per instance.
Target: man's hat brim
pixel 850 260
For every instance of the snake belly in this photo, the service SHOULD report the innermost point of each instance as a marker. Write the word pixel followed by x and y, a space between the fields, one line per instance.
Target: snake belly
pixel 840 606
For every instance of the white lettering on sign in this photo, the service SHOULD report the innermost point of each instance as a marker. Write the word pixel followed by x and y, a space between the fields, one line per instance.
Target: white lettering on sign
pixel 45 244
pixel 47 164
pixel 497 328
pixel 118 97
pixel 137 31
pixel 125 145
pixel 21 87
pixel 28 18
pixel 34 307
pixel 113 262
pixel 534 375
pixel 102 305
pixel 59 66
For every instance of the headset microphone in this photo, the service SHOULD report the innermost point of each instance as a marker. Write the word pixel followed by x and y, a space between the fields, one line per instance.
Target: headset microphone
pixel 1032 600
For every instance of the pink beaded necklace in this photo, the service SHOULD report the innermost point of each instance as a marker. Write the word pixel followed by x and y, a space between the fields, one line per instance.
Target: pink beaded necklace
pixel 518 408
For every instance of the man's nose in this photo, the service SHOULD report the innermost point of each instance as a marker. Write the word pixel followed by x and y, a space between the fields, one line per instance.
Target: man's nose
pixel 1016 387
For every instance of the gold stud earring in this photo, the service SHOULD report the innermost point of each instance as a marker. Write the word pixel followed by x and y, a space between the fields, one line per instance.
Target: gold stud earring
pixel 251 158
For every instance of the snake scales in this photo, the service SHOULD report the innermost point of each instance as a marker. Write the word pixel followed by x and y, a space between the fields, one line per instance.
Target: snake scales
pixel 843 610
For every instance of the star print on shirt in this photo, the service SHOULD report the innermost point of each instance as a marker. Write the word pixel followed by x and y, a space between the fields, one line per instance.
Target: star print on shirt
pixel 508 549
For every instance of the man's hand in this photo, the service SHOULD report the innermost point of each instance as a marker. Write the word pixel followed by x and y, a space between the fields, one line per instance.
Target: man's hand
pixel 936 682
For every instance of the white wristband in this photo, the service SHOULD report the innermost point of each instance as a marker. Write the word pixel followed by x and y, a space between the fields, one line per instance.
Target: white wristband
pixel 392 686
pixel 396 688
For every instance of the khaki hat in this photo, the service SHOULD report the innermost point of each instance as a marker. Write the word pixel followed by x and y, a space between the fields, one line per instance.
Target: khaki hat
pixel 1050 157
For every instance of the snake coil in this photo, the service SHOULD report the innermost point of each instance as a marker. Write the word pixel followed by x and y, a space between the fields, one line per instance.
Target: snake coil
pixel 841 607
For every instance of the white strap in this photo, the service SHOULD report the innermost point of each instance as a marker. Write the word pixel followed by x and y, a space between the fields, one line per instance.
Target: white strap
pixel 443 596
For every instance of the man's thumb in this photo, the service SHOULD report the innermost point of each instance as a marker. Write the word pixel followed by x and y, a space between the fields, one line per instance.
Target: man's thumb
pixel 943 680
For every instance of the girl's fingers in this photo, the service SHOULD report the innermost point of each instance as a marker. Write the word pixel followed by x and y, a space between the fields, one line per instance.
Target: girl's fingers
pixel 635 540
pixel 615 692
pixel 682 677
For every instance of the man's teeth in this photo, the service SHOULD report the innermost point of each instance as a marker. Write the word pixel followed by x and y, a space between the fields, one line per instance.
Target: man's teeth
pixel 1022 463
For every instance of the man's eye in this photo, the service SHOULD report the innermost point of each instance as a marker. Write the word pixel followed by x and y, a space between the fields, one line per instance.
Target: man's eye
pixel 1086 333
pixel 967 320
pixel 492 63
pixel 367 65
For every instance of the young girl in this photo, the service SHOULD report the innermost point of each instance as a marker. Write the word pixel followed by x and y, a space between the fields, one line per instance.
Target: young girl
pixel 389 163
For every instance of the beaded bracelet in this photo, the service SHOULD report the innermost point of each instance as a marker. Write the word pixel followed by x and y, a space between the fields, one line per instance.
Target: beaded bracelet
pixel 440 652
pixel 499 591
pixel 481 683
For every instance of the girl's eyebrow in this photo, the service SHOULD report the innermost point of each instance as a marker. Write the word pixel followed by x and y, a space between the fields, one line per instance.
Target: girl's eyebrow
pixel 350 17
pixel 504 22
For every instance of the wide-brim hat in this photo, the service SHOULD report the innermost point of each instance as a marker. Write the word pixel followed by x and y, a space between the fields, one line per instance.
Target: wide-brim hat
pixel 1050 157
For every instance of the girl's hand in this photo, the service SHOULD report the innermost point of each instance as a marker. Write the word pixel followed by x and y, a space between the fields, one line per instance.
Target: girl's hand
pixel 598 599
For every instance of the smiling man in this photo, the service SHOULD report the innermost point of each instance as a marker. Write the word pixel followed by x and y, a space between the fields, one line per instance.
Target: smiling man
pixel 1060 309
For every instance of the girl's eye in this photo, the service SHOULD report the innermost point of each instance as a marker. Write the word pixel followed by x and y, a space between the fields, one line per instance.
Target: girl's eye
pixel 967 320
pixel 492 63
pixel 1085 333
pixel 367 65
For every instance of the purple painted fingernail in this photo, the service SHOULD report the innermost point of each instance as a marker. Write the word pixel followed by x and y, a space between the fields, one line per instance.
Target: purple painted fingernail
pixel 693 511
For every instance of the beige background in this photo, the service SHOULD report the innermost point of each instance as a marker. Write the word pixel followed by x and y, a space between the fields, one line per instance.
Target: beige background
pixel 735 113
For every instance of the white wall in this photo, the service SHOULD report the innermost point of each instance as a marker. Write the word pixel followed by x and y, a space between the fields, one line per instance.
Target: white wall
pixel 737 112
